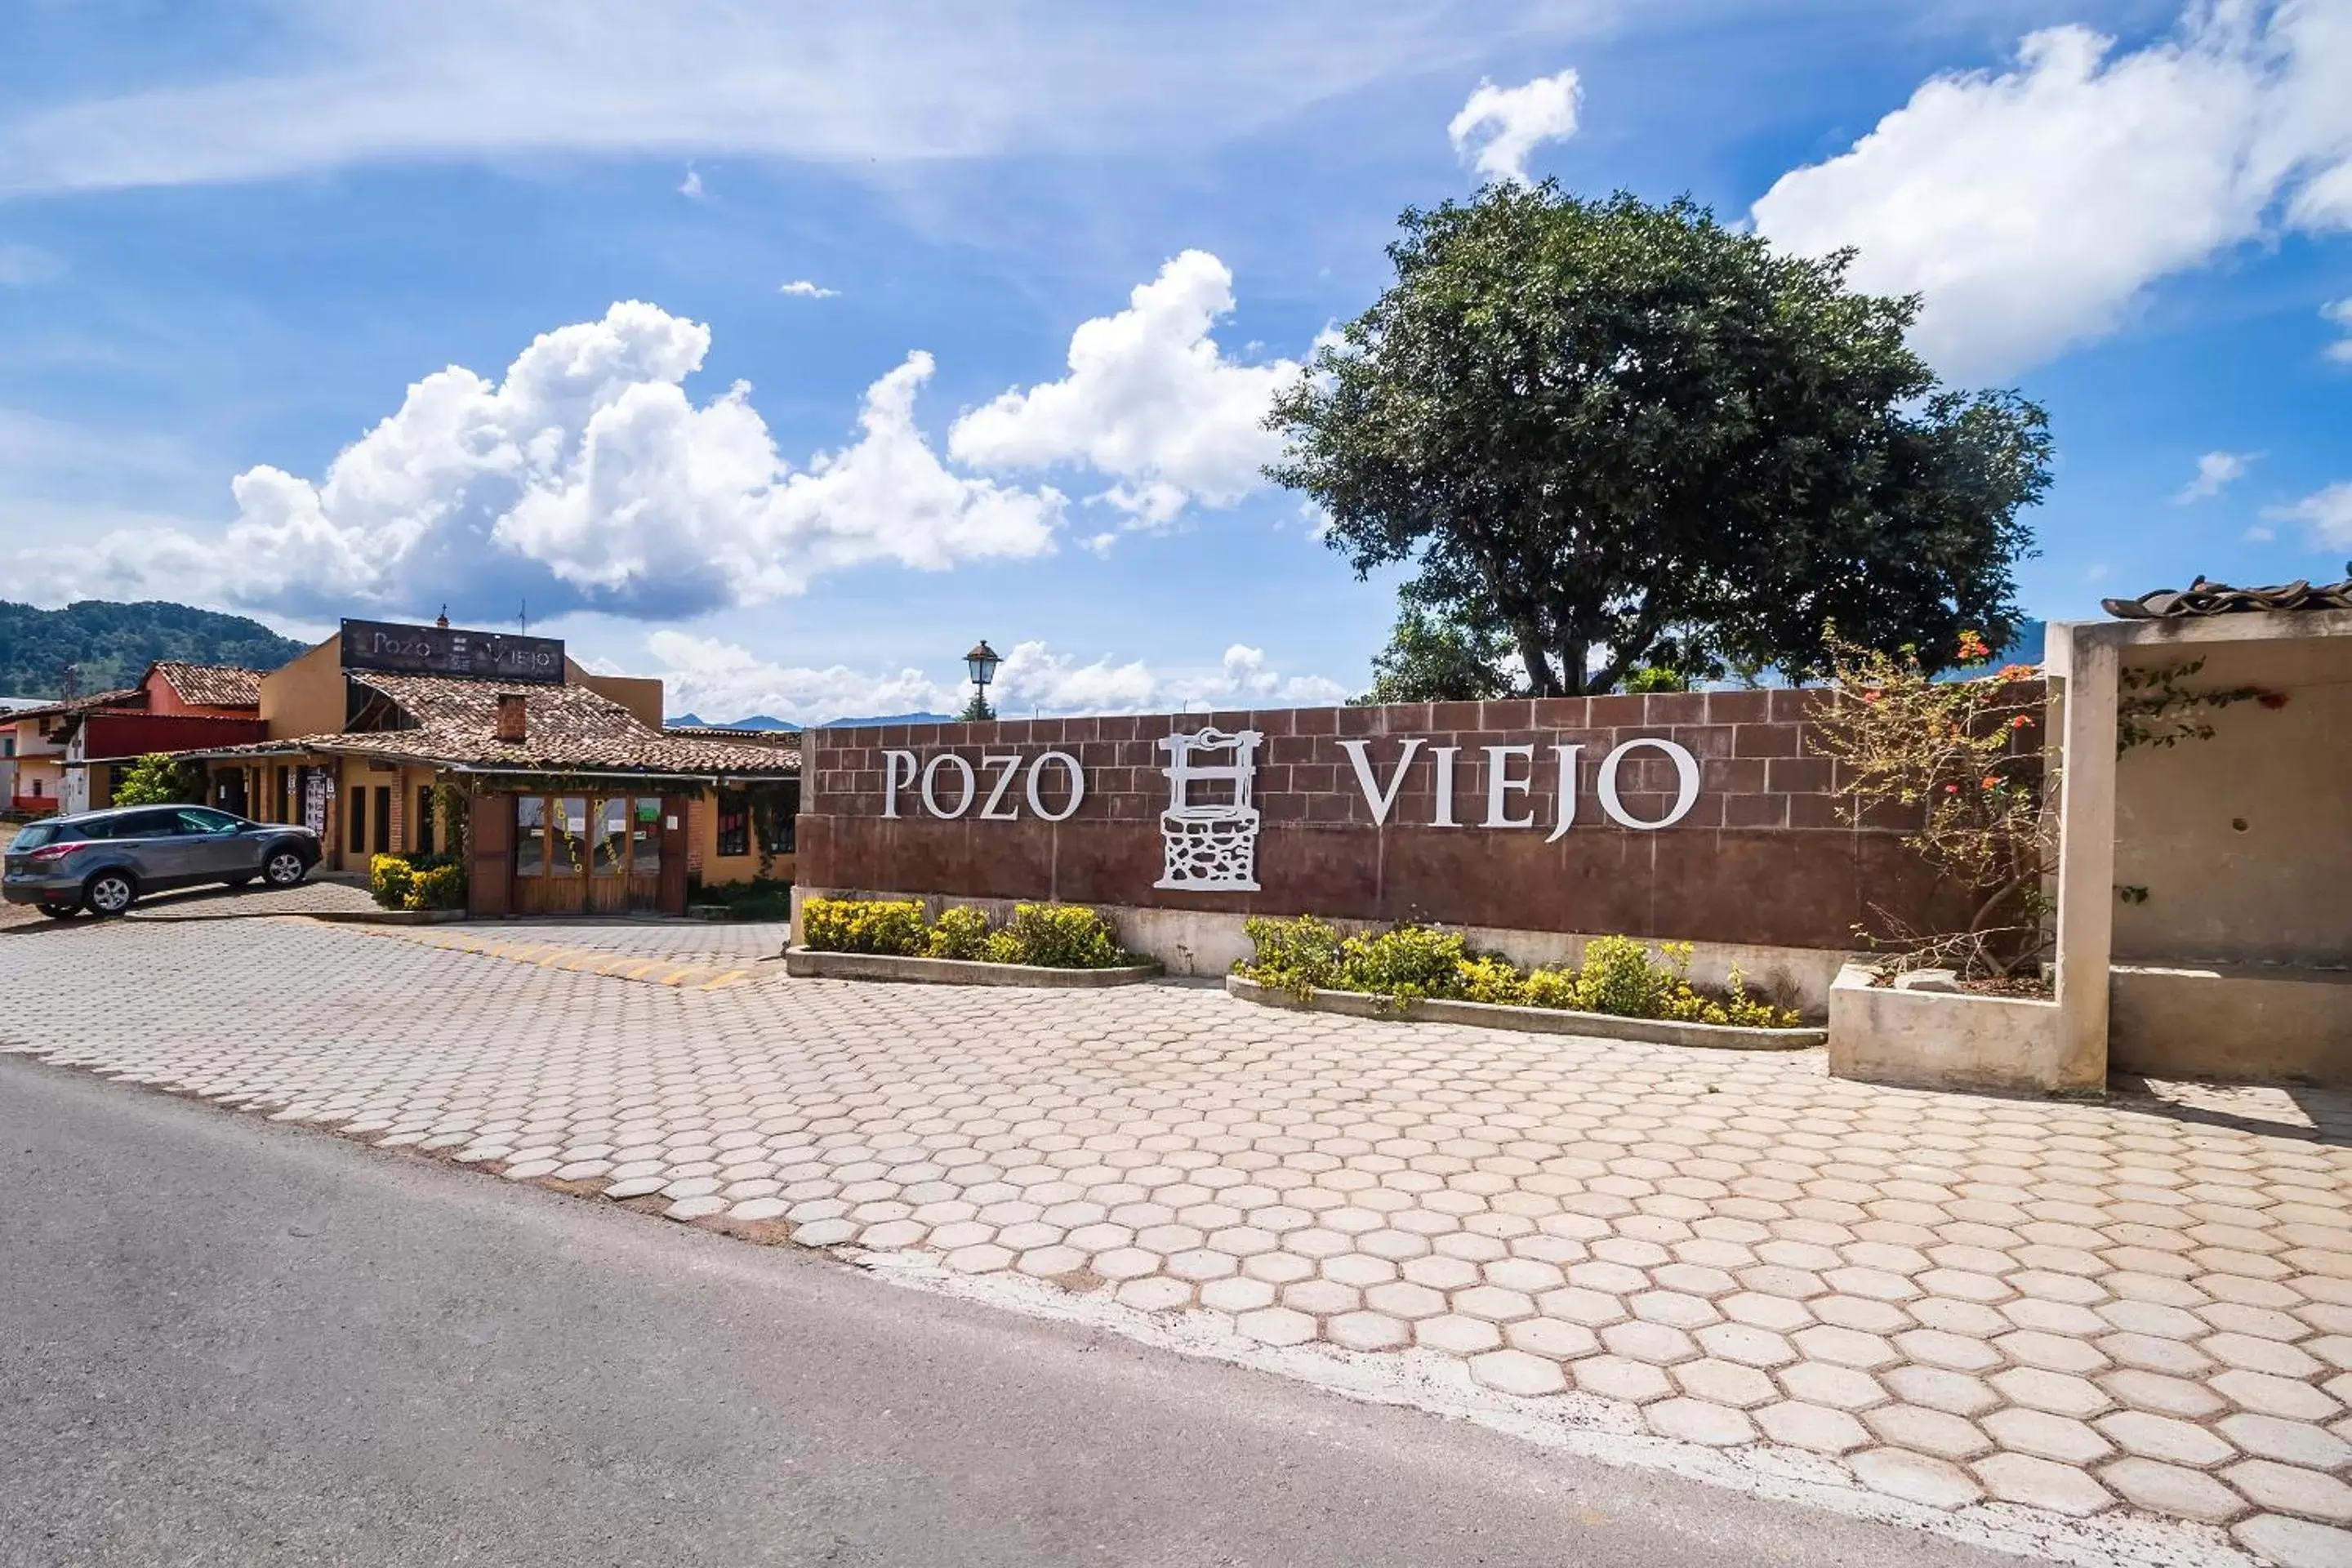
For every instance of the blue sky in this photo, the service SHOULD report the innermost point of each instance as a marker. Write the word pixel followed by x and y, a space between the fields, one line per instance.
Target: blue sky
pixel 237 239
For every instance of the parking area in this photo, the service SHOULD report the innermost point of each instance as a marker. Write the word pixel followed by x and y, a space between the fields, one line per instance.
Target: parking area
pixel 2099 1309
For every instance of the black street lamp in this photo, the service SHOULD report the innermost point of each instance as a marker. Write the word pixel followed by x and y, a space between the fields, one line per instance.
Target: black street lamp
pixel 981 661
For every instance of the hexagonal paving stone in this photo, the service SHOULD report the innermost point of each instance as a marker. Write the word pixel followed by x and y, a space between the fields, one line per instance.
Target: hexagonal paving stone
pixel 1322 1296
pixel 1275 1326
pixel 2268 1395
pixel 2155 1392
pixel 1614 1377
pixel 1725 1382
pixel 1840 1387
pixel 1845 1347
pixel 1493 1304
pixel 2041 1483
pixel 1916 1478
pixel 2289 1442
pixel 1674 1308
pixel 1747 1345
pixel 2168 1490
pixel 2290 1489
pixel 1452 1331
pixel 1940 1388
pixel 1935 1432
pixel 1700 1421
pixel 1592 1308
pixel 1366 1331
pixel 1517 1373
pixel 1816 1427
pixel 2046 1437
pixel 2059 1393
pixel 2294 1542
pixel 1551 1337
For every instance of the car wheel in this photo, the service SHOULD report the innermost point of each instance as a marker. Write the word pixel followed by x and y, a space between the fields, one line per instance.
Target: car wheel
pixel 285 868
pixel 59 911
pixel 110 893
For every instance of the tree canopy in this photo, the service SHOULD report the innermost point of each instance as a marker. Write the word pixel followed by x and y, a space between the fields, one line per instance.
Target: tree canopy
pixel 1615 436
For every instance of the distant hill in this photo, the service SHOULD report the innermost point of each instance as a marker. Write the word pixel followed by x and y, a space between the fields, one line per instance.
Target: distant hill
pixel 111 645
pixel 762 721
pixel 757 721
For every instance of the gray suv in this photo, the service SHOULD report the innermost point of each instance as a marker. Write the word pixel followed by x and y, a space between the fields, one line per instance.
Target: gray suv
pixel 104 860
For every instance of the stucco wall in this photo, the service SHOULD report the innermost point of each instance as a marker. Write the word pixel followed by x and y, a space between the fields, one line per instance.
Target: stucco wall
pixel 305 697
pixel 2243 842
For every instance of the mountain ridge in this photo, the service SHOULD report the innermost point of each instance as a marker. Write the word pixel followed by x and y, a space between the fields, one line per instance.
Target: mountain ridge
pixel 109 643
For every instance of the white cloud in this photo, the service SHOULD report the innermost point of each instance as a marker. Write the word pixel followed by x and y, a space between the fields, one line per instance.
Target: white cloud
pixel 306 87
pixel 802 288
pixel 691 186
pixel 2215 472
pixel 722 681
pixel 1035 678
pixel 2340 313
pixel 2032 206
pixel 1499 126
pixel 2326 513
pixel 1150 400
pixel 587 477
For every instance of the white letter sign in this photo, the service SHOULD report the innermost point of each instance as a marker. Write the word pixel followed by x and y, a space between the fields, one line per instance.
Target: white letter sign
pixel 931 779
pixel 1685 784
pixel 891 783
pixel 1380 802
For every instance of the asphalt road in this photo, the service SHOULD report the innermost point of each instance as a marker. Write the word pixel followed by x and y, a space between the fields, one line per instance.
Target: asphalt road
pixel 227 1341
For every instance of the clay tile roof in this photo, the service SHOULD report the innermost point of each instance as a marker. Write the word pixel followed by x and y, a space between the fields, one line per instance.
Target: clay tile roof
pixel 125 696
pixel 453 720
pixel 213 685
pixel 2206 597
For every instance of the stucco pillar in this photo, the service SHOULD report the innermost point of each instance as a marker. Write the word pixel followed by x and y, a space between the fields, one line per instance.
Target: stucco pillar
pixel 2086 861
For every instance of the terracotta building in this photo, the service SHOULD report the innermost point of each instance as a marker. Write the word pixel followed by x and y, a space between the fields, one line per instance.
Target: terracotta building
pixel 564 791
pixel 70 755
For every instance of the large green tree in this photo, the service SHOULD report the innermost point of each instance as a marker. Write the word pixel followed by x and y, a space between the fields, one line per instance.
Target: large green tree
pixel 1431 658
pixel 1618 435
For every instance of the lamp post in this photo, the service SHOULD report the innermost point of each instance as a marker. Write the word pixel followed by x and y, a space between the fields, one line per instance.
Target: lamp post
pixel 981 661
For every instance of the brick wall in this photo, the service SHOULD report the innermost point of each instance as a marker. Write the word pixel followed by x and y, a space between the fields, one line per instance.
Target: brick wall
pixel 1765 856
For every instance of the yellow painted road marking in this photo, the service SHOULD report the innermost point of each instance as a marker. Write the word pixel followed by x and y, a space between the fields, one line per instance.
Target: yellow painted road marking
pixel 667 971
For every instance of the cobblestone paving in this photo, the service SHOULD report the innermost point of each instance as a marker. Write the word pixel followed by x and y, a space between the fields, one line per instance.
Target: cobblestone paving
pixel 695 957
pixel 2090 1308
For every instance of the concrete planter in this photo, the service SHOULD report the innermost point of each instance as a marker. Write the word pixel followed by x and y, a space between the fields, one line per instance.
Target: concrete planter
pixel 1940 1039
pixel 802 962
pixel 1533 1020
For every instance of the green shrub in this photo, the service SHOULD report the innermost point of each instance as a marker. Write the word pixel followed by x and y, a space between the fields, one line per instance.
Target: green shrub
pixel 959 933
pixel 1549 987
pixel 1300 956
pixel 1057 936
pixel 1403 961
pixel 864 925
pixel 391 879
pixel 760 898
pixel 1617 976
pixel 1491 979
pixel 439 887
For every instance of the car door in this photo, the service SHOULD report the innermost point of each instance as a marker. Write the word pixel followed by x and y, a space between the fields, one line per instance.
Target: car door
pixel 217 845
pixel 161 854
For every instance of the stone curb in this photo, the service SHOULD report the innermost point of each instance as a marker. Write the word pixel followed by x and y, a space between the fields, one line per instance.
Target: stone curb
pixel 803 963
pixel 385 917
pixel 1535 1020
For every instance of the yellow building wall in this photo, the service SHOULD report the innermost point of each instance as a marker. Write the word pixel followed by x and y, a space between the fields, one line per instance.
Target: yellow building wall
pixel 305 697
pixel 640 694
pixel 716 870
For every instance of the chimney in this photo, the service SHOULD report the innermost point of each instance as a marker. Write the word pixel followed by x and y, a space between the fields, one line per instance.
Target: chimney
pixel 511 728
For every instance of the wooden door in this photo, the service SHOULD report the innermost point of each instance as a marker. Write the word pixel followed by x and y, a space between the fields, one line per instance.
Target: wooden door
pixel 489 852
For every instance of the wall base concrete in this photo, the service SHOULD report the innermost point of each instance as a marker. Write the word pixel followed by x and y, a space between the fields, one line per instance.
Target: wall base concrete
pixel 1932 1039
pixel 1198 941
pixel 2232 1020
